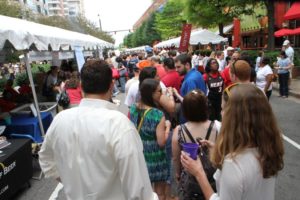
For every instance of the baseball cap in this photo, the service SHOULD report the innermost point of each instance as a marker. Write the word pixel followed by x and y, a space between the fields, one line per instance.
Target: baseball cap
pixel 286 42
pixel 229 48
pixel 144 63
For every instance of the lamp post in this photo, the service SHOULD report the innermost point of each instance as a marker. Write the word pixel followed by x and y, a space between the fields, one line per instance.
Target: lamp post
pixel 100 22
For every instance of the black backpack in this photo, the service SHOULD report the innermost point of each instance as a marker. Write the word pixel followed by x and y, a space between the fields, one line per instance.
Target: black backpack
pixel 189 188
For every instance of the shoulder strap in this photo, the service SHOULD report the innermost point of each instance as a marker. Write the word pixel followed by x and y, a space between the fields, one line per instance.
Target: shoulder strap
pixel 188 133
pixel 142 119
pixel 181 134
pixel 209 130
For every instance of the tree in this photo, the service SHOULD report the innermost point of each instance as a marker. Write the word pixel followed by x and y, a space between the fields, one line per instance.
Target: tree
pixel 11 9
pixel 211 13
pixel 271 22
pixel 169 22
pixel 149 33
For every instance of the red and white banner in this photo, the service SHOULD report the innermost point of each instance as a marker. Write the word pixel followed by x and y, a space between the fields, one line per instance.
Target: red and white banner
pixel 185 37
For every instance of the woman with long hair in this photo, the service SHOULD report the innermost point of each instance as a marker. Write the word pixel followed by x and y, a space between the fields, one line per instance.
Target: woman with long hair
pixel 154 131
pixel 248 152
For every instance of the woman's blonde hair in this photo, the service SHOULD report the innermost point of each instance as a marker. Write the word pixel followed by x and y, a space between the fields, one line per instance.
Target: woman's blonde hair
pixel 248 121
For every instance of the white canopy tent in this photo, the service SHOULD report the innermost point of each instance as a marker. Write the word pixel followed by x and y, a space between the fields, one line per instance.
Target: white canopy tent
pixel 29 36
pixel 201 36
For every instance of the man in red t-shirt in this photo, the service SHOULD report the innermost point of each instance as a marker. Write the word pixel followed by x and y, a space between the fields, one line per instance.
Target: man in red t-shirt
pixel 172 78
pixel 226 73
pixel 161 72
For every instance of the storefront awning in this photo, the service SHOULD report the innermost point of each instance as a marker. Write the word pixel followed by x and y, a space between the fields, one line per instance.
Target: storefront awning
pixel 283 32
pixel 293 12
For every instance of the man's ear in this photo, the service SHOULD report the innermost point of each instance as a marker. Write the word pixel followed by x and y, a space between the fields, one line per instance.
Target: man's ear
pixel 111 87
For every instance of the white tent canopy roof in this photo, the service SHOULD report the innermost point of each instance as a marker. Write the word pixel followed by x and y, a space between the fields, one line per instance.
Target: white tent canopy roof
pixel 23 34
pixel 201 36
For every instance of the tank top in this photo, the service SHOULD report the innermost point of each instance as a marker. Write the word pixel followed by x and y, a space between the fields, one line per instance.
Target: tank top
pixel 215 85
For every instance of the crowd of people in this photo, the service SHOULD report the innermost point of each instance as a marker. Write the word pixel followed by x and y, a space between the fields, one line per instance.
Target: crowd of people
pixel 218 103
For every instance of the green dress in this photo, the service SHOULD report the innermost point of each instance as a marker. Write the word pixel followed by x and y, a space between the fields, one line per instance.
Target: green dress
pixel 155 156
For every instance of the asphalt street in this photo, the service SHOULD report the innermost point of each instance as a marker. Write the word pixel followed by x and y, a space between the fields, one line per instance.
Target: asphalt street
pixel 287 112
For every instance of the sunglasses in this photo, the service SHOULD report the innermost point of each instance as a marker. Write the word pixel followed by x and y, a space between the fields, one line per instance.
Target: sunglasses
pixel 227 90
pixel 233 67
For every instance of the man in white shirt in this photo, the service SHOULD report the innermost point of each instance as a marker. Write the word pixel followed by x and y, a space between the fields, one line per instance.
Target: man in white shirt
pixel 289 51
pixel 94 150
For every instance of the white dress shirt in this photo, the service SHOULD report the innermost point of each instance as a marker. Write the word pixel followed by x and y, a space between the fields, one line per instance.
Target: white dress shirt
pixel 241 179
pixel 97 153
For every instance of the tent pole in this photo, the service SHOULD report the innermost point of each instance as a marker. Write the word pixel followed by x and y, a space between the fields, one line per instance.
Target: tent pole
pixel 29 72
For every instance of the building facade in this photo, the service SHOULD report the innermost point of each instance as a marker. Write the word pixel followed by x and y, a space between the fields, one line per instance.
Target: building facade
pixel 154 7
pixel 37 6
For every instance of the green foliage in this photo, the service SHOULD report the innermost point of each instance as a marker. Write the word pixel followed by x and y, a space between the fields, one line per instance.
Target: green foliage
pixel 297 58
pixel 2 83
pixel 169 22
pixel 21 79
pixel 146 34
pixel 10 8
pixel 270 54
pixel 149 32
pixel 212 13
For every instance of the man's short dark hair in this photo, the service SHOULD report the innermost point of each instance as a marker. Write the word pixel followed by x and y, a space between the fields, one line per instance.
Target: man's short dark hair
pixel 169 63
pixel 184 59
pixel 96 77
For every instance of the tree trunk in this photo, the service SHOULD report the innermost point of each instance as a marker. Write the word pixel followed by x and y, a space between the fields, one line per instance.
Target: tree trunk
pixel 221 26
pixel 271 23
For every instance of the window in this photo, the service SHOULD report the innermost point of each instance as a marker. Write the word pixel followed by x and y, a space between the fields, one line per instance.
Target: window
pixel 38 8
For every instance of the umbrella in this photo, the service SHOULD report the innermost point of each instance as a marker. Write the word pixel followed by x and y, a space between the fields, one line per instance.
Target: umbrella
pixel 293 12
pixel 283 32
pixel 296 31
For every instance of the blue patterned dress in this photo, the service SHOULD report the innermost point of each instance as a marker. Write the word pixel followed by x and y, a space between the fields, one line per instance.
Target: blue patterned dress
pixel 154 155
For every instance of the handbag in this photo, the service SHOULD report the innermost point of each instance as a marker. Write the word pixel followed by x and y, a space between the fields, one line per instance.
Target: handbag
pixel 189 188
pixel 64 100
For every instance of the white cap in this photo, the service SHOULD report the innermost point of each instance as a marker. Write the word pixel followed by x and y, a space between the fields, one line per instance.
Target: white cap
pixel 286 42
pixel 229 48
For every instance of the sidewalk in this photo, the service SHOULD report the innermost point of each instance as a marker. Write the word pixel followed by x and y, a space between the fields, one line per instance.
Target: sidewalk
pixel 294 88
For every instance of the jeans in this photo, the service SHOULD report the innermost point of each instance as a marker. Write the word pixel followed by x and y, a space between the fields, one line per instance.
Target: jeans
pixel 283 84
pixel 268 94
pixel 122 81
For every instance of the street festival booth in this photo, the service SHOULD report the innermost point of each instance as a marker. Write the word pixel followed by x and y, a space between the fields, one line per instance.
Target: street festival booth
pixel 37 42
pixel 202 37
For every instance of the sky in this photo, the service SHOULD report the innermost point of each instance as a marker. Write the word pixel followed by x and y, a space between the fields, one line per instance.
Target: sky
pixel 116 14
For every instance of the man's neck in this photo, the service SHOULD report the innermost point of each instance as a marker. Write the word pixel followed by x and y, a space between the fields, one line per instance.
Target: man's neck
pixel 106 96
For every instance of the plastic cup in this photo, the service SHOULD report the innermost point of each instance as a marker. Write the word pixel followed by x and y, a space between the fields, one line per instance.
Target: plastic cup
pixel 7 120
pixel 191 149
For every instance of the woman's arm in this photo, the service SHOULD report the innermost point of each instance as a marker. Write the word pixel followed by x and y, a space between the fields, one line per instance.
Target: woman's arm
pixel 269 78
pixel 161 133
pixel 176 153
pixel 167 102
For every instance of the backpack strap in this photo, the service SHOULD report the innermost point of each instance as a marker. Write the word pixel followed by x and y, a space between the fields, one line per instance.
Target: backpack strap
pixel 188 133
pixel 209 130
pixel 181 134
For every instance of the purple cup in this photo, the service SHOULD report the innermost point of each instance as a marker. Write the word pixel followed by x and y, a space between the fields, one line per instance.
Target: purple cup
pixel 191 149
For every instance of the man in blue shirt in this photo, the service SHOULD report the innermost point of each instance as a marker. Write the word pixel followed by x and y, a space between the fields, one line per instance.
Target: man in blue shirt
pixel 192 78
